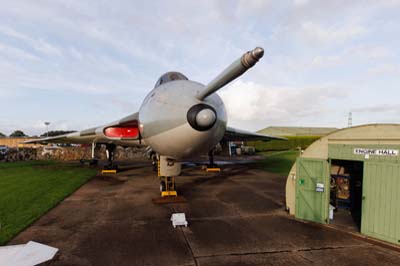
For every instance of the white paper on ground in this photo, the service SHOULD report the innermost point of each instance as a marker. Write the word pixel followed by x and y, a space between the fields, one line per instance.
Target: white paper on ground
pixel 28 254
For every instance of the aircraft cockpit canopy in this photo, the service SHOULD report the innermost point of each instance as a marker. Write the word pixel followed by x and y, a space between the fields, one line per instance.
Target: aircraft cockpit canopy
pixel 170 76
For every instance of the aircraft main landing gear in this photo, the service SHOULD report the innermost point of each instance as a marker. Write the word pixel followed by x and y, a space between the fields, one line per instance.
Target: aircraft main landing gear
pixel 212 167
pixel 93 161
pixel 110 168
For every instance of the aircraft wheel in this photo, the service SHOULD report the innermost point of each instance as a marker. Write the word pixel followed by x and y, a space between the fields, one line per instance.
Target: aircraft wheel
pixel 162 186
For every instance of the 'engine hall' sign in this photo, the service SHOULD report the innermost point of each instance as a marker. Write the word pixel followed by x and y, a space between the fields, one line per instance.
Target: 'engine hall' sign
pixel 379 152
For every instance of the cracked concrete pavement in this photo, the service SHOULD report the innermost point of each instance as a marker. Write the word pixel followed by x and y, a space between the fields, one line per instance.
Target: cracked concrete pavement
pixel 235 217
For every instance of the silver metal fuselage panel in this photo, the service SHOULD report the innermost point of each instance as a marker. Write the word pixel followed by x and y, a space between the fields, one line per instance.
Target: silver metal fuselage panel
pixel 163 120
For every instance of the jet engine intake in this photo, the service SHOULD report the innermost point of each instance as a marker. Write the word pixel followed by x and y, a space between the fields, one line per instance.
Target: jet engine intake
pixel 122 132
pixel 201 117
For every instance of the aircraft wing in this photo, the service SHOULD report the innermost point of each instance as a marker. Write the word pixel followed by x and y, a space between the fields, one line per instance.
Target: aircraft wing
pixel 233 134
pixel 124 132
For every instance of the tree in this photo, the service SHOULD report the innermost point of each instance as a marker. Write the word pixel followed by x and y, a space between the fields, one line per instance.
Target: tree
pixel 2 135
pixel 18 133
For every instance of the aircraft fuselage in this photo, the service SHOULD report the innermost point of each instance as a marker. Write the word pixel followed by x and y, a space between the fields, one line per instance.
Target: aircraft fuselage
pixel 165 116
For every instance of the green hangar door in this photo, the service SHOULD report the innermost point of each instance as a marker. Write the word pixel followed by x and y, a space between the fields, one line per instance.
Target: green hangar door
pixel 312 190
pixel 381 201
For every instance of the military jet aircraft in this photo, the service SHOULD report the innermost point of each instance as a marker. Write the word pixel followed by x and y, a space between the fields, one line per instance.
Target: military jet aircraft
pixel 178 119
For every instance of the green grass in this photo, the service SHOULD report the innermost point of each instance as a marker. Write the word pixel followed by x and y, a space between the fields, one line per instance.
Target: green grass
pixel 277 162
pixel 30 189
pixel 279 145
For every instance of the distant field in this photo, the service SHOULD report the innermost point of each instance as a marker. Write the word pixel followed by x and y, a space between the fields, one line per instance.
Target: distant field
pixel 30 189
pixel 278 162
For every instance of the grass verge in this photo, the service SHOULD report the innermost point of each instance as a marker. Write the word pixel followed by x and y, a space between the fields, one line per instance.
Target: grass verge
pixel 278 162
pixel 30 189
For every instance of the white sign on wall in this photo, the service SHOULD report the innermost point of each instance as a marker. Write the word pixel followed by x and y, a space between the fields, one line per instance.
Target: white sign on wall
pixel 379 152
pixel 319 187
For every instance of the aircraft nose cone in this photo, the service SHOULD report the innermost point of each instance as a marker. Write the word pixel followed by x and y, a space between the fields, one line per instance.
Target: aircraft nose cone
pixel 258 52
pixel 205 118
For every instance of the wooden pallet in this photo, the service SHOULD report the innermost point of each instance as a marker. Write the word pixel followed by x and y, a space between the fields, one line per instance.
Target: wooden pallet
pixel 168 200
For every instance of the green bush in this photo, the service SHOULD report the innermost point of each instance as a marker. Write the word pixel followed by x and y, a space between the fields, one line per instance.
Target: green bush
pixel 282 145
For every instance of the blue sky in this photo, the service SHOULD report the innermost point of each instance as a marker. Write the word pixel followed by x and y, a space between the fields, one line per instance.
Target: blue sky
pixel 79 64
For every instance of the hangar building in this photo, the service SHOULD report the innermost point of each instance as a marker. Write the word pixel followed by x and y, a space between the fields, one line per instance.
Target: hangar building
pixel 297 131
pixel 355 171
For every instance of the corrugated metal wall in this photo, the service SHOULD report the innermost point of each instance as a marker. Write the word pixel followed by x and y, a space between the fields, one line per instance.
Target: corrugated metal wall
pixel 381 201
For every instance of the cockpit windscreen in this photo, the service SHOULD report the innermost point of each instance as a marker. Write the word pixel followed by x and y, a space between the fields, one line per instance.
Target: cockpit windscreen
pixel 170 76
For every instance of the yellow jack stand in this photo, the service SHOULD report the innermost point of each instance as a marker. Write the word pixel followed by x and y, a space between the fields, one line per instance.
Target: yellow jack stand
pixel 215 169
pixel 169 182
pixel 169 187
pixel 168 190
pixel 108 172
pixel 169 194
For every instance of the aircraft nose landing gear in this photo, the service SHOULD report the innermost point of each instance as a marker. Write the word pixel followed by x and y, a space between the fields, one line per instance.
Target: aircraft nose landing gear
pixel 167 170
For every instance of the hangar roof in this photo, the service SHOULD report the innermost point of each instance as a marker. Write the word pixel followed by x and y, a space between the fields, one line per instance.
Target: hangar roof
pixel 363 134
pixel 297 131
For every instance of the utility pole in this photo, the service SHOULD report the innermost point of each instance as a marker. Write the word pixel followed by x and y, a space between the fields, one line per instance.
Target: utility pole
pixel 350 120
pixel 47 128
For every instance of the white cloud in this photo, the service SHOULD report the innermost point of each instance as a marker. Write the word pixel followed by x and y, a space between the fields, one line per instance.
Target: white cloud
pixel 46 48
pixel 36 127
pixel 102 52
pixel 385 69
pixel 13 53
pixel 372 52
pixel 40 45
pixel 300 2
pixel 331 34
pixel 378 108
pixel 277 105
pixel 327 61
pixel 40 127
pixel 352 55
pixel 13 33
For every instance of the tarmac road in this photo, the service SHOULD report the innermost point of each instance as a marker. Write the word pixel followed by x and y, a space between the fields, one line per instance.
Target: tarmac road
pixel 235 217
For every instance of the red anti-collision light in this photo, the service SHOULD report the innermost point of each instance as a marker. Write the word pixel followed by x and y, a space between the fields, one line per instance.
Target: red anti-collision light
pixel 121 132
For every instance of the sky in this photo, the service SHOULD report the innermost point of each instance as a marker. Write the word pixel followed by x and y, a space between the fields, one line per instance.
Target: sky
pixel 79 64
